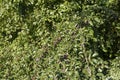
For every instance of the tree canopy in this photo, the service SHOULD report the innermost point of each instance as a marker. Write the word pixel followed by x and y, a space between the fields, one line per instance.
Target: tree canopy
pixel 60 39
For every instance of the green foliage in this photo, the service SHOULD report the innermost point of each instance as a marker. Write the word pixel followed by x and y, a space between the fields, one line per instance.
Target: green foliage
pixel 59 39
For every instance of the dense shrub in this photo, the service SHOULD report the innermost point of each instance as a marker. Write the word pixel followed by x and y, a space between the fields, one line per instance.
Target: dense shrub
pixel 59 39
